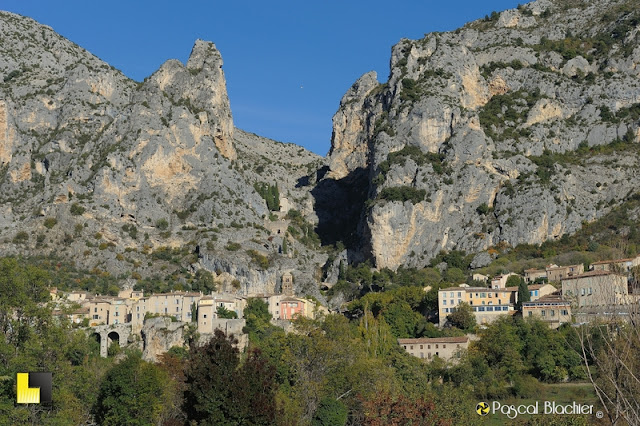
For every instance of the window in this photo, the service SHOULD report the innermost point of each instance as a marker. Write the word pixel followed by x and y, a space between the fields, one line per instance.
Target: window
pixel 489 308
pixel 95 309
pixel 490 295
pixel 459 294
pixel 138 316
pixel 429 355
pixel 166 311
pixel 553 313
pixel 96 317
pixel 205 315
pixel 543 313
pixel 405 346
pixel 117 313
pixel 481 308
pixel 444 302
pixel 530 313
pixel 451 294
pixel 138 308
pixel 421 355
pixel 436 348
pixel 505 308
pixel 421 346
pixel 590 290
pixel 582 292
pixel 444 346
pixel 411 347
pixel 483 294
pixel 565 312
pixel 428 346
pixel 446 310
pixel 177 309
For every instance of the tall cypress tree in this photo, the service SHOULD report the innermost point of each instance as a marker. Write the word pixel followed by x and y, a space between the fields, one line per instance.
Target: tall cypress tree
pixel 523 294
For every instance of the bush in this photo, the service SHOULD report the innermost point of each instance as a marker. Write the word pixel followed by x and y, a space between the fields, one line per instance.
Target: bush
pixel 50 222
pixel 483 209
pixel 162 224
pixel 233 246
pixel 21 237
pixel 259 259
pixel 403 193
pixel 76 209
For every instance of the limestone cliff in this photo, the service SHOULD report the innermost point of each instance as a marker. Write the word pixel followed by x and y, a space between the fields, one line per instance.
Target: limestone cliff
pixel 137 179
pixel 513 129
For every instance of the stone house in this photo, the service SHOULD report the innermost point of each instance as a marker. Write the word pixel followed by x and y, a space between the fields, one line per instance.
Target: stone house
pixel 480 277
pixel 447 348
pixel 176 304
pixel 530 275
pixel 618 265
pixel 556 273
pixel 596 288
pixel 536 291
pixel 500 281
pixel 552 309
pixel 107 310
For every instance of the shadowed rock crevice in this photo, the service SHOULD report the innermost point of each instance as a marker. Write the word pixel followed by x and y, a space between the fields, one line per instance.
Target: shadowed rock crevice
pixel 339 206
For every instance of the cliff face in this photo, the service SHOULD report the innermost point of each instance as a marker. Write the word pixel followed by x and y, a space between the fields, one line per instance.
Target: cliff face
pixel 106 171
pixel 513 129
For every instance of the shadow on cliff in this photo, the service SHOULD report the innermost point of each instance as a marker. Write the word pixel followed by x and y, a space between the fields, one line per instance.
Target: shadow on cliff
pixel 339 204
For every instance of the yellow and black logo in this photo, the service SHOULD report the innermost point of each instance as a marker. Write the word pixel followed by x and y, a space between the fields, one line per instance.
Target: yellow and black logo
pixel 482 408
pixel 34 388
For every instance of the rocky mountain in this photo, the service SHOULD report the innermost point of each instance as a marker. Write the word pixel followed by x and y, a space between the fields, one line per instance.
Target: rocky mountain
pixel 516 128
pixel 99 168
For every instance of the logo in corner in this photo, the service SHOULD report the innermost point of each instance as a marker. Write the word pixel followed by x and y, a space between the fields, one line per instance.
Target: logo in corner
pixel 33 388
pixel 482 408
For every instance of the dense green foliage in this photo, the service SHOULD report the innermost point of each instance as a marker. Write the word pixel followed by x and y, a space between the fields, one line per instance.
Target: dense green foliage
pixel 133 392
pixel 403 193
pixel 225 313
pixel 270 193
pixel 220 391
pixel 463 317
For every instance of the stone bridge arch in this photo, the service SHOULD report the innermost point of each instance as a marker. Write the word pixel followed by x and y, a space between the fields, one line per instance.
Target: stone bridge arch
pixel 110 333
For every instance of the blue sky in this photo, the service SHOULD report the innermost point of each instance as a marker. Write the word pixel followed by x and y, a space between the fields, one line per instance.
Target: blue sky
pixel 287 63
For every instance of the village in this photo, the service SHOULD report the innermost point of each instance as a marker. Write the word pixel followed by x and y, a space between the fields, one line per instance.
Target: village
pixel 557 295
